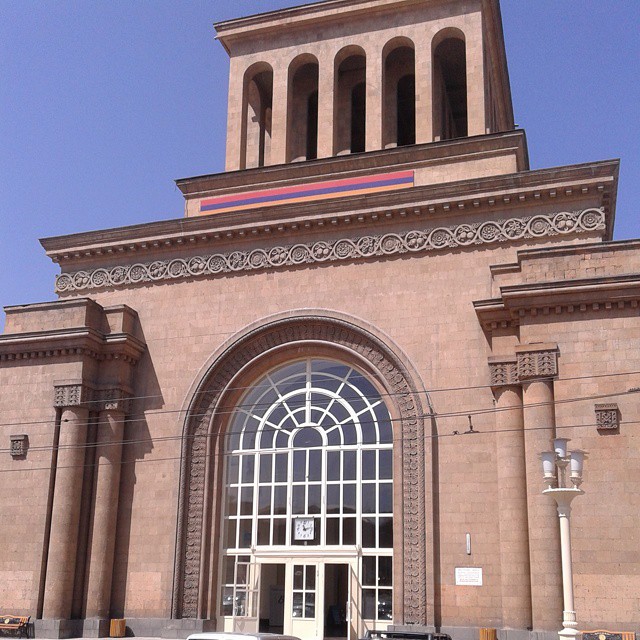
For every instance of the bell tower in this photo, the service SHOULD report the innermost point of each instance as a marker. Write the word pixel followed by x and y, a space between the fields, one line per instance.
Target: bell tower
pixel 346 76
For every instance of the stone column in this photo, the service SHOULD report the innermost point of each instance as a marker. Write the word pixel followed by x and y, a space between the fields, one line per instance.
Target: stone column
pixel 326 114
pixel 108 459
pixel 373 127
pixel 279 122
pixel 512 494
pixel 424 93
pixel 537 367
pixel 65 518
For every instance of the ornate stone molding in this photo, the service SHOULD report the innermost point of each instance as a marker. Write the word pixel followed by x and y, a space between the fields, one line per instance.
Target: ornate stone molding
pixel 503 370
pixel 197 431
pixel 370 246
pixel 607 416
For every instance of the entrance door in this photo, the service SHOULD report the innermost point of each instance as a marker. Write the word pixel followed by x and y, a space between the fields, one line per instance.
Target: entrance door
pixel 245 598
pixel 304 600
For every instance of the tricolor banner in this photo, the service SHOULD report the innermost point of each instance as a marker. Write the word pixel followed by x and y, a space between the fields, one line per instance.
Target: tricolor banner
pixel 308 192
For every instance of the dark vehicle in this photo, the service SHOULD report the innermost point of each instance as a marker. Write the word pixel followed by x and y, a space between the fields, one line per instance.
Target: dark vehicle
pixel 405 635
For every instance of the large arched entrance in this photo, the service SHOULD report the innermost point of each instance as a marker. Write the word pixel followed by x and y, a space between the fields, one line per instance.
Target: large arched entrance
pixel 303 477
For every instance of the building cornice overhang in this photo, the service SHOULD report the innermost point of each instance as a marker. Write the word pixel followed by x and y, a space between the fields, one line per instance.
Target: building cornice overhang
pixel 72 342
pixel 518 302
pixel 258 25
pixel 500 195
pixel 357 164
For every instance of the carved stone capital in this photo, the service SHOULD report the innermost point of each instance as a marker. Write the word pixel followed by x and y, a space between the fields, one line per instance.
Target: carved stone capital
pixel 72 394
pixel 112 399
pixel 503 370
pixel 607 416
pixel 537 361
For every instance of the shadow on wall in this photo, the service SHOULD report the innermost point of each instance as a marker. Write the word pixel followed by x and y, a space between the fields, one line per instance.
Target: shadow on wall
pixel 138 445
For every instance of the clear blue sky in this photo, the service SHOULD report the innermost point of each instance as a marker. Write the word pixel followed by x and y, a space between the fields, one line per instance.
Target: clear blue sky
pixel 103 103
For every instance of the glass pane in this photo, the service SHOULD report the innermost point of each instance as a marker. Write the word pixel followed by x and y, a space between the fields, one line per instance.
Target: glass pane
pixel 333 465
pixel 349 498
pixel 263 532
pixel 248 463
pixel 229 567
pixel 349 433
pixel 282 440
pixel 314 500
pixel 241 573
pixel 230 536
pixel 369 571
pixel 386 464
pixel 385 571
pixel 298 576
pixel 386 533
pixel 279 501
pixel 307 437
pixel 310 584
pixel 264 501
pixel 310 605
pixel 333 498
pixel 369 604
pixel 349 531
pixel 368 465
pixel 232 501
pixel 279 530
pixel 384 604
pixel 368 498
pixel 333 531
pixel 386 498
pixel 246 501
pixel 227 601
pixel 349 465
pixel 297 605
pixel 266 440
pixel 232 469
pixel 282 467
pixel 265 468
pixel 297 502
pixel 240 608
pixel 369 533
pixel 299 466
pixel 245 534
pixel 315 465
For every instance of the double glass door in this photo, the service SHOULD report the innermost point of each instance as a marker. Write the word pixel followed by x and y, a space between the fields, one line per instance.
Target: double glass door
pixel 311 598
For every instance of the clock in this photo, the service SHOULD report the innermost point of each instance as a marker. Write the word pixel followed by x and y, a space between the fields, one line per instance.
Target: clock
pixel 303 528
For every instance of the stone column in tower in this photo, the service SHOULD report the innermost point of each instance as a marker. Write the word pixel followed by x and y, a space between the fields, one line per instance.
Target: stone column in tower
pixel 112 405
pixel 326 113
pixel 512 494
pixel 537 368
pixel 73 399
pixel 373 106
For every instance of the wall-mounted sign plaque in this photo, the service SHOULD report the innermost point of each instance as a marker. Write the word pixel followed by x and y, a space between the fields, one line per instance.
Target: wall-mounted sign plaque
pixel 468 577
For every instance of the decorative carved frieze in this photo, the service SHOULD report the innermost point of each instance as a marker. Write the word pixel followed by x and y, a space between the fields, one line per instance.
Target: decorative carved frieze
pixel 72 395
pixel 537 364
pixel 607 416
pixel 504 371
pixel 19 445
pixel 344 249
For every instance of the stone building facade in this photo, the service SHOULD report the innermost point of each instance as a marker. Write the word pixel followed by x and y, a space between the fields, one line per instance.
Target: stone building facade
pixel 318 401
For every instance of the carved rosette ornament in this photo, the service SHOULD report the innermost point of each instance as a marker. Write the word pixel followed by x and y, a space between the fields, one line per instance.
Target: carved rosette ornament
pixel 373 246
pixel 197 433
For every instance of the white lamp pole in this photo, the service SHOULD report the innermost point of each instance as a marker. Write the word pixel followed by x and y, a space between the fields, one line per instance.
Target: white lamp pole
pixel 554 466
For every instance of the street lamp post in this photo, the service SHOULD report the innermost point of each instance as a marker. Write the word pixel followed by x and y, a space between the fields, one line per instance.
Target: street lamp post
pixel 555 465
